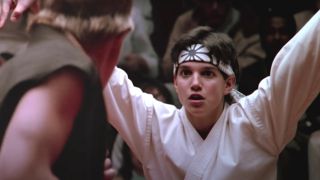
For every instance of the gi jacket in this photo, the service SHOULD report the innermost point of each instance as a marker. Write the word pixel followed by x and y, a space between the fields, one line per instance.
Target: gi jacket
pixel 247 138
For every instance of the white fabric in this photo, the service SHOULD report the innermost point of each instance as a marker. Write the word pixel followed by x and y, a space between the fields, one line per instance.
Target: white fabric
pixel 200 53
pixel 196 52
pixel 247 138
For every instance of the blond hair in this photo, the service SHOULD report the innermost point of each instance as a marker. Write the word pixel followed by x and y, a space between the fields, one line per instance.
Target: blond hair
pixel 86 18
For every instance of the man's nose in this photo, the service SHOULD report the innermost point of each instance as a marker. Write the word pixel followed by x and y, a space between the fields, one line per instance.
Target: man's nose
pixel 196 82
pixel 276 35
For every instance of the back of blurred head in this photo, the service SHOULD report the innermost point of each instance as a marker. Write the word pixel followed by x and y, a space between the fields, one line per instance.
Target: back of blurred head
pixel 86 19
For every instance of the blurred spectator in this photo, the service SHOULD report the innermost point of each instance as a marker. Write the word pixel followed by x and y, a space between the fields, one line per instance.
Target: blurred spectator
pixel 164 15
pixel 303 16
pixel 137 53
pixel 277 27
pixel 249 49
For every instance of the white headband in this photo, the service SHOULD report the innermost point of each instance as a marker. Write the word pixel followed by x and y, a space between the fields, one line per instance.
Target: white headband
pixel 199 53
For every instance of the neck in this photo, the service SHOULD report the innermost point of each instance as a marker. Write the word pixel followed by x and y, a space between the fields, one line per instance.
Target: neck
pixel 98 52
pixel 204 123
pixel 204 132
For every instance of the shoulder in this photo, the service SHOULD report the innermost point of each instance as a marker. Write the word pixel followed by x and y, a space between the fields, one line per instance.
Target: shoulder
pixel 47 55
pixel 49 51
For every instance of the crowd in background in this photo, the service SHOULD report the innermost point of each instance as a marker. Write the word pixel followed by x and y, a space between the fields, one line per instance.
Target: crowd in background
pixel 259 30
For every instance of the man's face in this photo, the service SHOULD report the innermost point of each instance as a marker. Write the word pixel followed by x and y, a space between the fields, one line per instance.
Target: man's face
pixel 278 34
pixel 200 87
pixel 214 11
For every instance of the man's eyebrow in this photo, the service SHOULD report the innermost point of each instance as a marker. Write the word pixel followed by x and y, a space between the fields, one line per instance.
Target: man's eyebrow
pixel 204 68
pixel 210 67
pixel 183 66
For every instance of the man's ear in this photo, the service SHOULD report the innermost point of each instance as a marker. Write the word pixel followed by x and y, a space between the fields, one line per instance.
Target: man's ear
pixel 174 80
pixel 114 48
pixel 230 84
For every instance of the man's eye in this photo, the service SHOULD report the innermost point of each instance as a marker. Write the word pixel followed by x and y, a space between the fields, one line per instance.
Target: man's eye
pixel 185 72
pixel 207 73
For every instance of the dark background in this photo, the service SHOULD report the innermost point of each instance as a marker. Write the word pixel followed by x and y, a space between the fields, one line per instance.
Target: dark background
pixel 165 13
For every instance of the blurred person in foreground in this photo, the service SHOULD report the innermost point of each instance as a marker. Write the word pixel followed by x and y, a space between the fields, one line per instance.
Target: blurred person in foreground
pixel 52 115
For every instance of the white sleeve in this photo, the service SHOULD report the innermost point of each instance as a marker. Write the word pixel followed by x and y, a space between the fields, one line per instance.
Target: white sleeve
pixel 281 99
pixel 128 110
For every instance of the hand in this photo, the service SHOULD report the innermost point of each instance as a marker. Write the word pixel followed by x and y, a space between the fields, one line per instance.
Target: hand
pixel 109 172
pixel 18 6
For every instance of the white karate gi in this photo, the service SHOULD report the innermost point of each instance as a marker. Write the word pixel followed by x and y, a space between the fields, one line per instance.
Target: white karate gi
pixel 247 138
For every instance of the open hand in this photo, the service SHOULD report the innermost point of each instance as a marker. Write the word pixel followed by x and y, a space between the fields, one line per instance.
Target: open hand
pixel 17 7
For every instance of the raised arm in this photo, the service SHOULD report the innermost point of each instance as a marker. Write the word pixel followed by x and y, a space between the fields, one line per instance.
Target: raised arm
pixel 131 111
pixel 40 126
pixel 294 80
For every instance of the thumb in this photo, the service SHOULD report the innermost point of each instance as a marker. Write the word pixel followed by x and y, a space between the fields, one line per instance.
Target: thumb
pixel 4 11
pixel 20 8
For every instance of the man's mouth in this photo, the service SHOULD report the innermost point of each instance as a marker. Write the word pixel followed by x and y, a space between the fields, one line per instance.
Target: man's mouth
pixel 196 97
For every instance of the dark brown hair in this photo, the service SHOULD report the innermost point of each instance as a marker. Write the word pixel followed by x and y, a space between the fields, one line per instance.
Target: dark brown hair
pixel 220 45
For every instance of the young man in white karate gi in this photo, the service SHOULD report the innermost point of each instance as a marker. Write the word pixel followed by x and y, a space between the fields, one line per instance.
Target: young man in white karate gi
pixel 217 134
